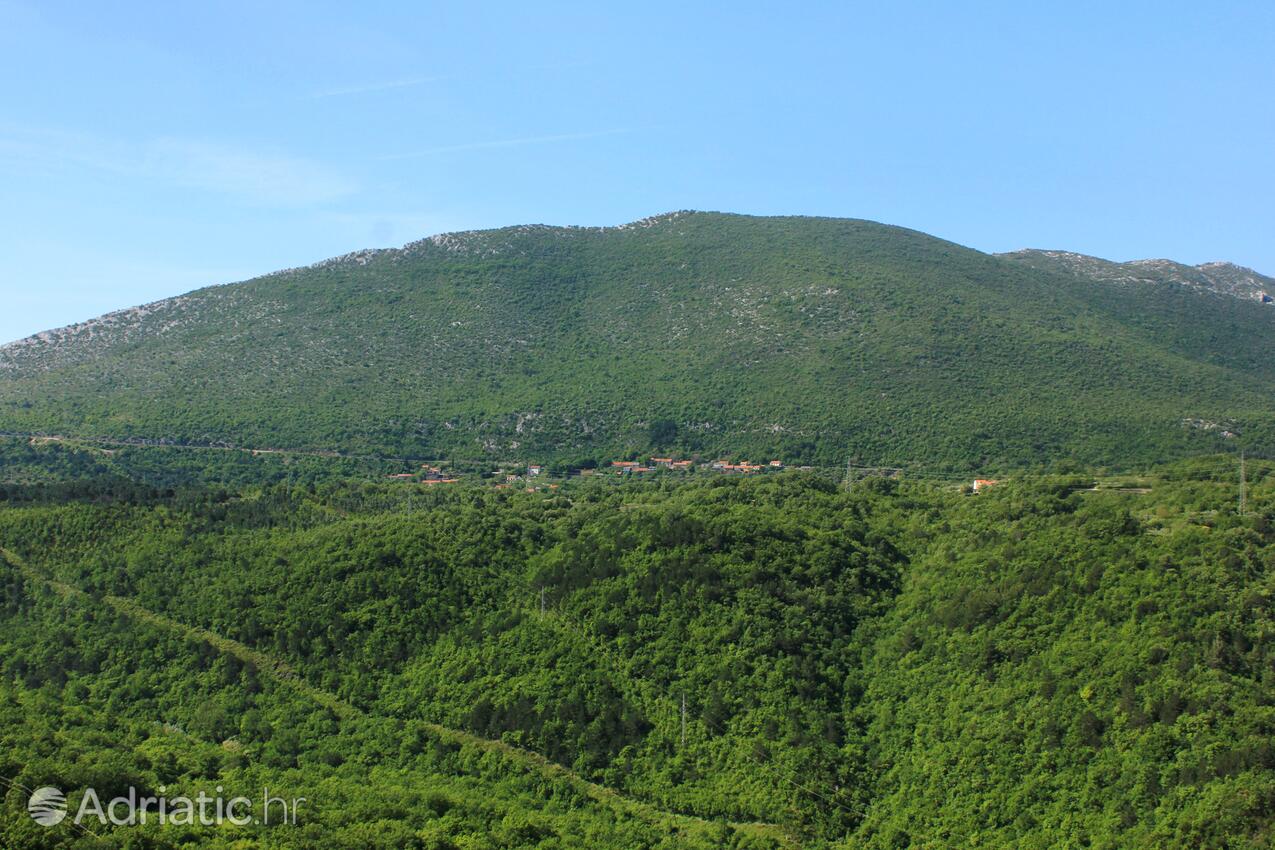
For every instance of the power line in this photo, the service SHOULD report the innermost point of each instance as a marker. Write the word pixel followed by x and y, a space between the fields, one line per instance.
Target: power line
pixel 1243 485
pixel 752 748
pixel 683 719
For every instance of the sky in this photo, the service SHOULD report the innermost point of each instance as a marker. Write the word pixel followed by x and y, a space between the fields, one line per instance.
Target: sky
pixel 152 149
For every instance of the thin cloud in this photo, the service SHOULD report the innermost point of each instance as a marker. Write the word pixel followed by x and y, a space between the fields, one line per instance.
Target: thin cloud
pixel 507 143
pixel 265 178
pixel 268 178
pixel 408 82
pixel 386 85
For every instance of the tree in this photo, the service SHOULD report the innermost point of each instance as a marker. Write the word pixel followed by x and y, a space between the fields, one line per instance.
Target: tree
pixel 662 432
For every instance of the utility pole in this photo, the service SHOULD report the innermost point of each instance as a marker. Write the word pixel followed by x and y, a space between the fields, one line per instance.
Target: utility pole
pixel 1243 485
pixel 542 601
pixel 683 719
pixel 849 479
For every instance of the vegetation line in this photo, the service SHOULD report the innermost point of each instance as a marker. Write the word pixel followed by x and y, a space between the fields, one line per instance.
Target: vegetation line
pixel 565 624
pixel 281 671
pixel 849 474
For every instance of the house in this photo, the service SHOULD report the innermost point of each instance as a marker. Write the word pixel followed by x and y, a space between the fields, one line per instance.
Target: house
pixel 727 466
pixel 627 467
pixel 776 464
pixel 743 467
pixel 403 476
pixel 681 464
pixel 441 480
pixel 665 462
pixel 535 469
pixel 983 483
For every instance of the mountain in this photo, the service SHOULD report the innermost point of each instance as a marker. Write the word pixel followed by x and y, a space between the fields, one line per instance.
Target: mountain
pixel 808 339
pixel 1218 278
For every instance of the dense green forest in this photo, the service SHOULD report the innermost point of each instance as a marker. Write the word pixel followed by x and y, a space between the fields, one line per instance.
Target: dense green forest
pixel 807 339
pixel 717 662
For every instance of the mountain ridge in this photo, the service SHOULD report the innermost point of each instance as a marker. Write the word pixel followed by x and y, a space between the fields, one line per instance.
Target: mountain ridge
pixel 803 337
pixel 1218 276
pixel 462 241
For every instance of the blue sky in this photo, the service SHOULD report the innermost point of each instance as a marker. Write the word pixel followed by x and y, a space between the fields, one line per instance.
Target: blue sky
pixel 149 150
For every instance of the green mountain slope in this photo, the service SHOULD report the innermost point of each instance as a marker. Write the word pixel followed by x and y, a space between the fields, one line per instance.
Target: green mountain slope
pixel 808 339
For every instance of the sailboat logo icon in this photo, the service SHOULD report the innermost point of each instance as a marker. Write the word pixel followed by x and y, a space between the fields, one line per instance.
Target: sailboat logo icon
pixel 47 806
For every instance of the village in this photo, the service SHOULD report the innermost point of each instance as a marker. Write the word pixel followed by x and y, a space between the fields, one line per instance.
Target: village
pixel 537 476
pixel 534 475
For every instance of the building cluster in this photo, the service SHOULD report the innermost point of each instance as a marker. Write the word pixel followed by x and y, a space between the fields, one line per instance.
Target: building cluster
pixel 744 467
pixel 655 464
pixel 427 475
pixel 524 475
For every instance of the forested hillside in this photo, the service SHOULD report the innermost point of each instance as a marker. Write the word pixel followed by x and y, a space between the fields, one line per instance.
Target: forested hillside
pixel 751 663
pixel 811 340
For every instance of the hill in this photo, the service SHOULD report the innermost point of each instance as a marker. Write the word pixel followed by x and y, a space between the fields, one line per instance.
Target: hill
pixel 748 663
pixel 1218 278
pixel 808 339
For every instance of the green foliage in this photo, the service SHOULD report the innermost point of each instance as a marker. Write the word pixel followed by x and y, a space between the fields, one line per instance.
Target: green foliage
pixel 663 433
pixel 1094 667
pixel 902 664
pixel 800 338
pixel 92 699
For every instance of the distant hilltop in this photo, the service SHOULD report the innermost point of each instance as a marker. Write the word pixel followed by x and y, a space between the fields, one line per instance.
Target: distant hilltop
pixel 1220 278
